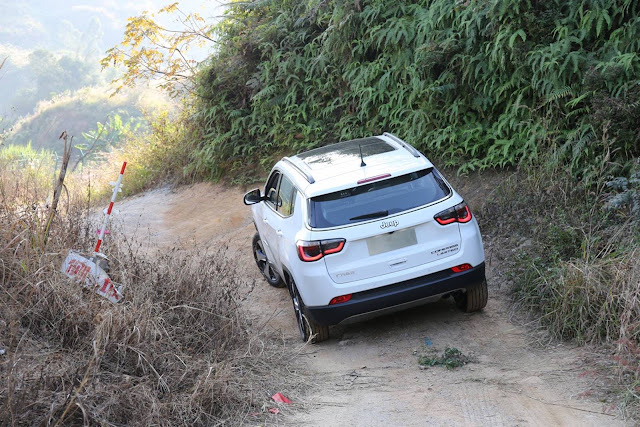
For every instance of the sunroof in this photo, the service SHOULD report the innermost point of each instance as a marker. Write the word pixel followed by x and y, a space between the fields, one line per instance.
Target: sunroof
pixel 345 151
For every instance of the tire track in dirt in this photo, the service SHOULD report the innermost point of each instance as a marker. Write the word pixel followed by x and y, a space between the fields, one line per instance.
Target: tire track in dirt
pixel 367 373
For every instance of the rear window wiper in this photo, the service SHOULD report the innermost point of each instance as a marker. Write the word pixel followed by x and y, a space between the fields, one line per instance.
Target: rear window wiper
pixel 378 214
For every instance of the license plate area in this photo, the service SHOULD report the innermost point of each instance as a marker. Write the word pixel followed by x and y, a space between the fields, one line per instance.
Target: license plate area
pixel 391 241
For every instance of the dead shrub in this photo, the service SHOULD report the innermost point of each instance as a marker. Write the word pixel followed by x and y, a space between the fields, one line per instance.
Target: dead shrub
pixel 179 349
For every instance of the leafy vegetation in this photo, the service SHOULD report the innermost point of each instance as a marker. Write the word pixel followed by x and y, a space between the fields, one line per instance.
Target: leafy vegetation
pixel 579 265
pixel 159 155
pixel 626 197
pixel 477 83
pixel 156 153
pixel 451 358
pixel 23 165
pixel 480 83
pixel 31 76
pixel 106 136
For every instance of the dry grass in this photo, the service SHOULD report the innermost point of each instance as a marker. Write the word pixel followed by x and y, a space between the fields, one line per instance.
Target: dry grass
pixel 178 351
pixel 575 264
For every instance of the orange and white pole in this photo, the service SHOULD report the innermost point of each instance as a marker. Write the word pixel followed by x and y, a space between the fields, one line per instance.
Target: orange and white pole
pixel 116 188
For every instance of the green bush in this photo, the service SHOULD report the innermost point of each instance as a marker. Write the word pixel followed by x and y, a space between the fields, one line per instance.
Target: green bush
pixel 481 83
pixel 159 155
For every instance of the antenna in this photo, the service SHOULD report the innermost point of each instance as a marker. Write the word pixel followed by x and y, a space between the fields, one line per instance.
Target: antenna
pixel 362 163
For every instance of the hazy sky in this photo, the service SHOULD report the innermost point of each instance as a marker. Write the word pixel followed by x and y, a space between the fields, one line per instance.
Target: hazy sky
pixel 113 10
pixel 30 24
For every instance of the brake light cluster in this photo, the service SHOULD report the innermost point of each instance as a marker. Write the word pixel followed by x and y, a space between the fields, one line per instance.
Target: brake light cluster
pixel 374 178
pixel 458 213
pixel 315 250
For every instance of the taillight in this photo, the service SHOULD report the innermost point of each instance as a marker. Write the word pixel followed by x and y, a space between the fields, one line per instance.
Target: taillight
pixel 458 213
pixel 460 268
pixel 309 251
pixel 340 299
pixel 313 251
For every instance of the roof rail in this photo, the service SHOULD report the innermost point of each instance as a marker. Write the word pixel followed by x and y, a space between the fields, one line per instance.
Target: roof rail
pixel 304 173
pixel 408 147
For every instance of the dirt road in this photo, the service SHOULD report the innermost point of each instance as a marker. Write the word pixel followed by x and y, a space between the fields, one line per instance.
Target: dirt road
pixel 367 374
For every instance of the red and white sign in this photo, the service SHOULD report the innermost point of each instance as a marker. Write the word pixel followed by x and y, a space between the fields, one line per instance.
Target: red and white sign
pixel 85 271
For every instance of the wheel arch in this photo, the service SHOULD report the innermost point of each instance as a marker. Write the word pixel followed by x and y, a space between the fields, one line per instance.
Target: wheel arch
pixel 288 278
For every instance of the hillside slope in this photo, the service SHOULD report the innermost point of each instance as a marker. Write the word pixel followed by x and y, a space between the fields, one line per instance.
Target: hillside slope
pixel 480 83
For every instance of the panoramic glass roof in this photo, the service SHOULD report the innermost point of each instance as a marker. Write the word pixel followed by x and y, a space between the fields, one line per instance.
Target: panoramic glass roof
pixel 345 151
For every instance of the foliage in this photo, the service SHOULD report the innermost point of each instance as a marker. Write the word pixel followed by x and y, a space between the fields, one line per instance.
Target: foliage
pixel 451 358
pixel 21 165
pixel 160 154
pixel 150 50
pixel 52 48
pixel 480 83
pixel 106 136
pixel 16 156
pixel 626 194
pixel 58 74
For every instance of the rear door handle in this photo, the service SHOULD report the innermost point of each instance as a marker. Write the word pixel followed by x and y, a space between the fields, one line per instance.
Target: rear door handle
pixel 265 220
pixel 279 233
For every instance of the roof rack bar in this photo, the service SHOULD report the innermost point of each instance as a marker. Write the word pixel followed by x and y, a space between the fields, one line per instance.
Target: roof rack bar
pixel 408 147
pixel 304 173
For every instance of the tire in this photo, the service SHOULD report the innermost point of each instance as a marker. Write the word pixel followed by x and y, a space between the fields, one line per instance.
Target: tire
pixel 309 330
pixel 475 299
pixel 268 272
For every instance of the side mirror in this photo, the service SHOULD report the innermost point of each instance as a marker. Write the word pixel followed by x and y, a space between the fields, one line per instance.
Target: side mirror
pixel 252 197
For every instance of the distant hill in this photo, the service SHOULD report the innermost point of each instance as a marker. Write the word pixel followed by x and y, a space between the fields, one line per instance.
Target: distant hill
pixel 79 113
pixel 55 46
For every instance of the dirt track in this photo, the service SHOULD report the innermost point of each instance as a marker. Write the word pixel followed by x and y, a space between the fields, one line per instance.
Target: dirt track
pixel 367 374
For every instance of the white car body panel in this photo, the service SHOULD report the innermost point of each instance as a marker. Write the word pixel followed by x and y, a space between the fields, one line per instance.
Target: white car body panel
pixel 364 263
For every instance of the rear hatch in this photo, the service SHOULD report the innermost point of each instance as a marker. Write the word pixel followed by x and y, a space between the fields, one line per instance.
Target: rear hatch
pixel 388 225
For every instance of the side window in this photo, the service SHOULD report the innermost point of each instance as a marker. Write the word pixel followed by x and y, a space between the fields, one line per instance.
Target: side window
pixel 271 189
pixel 286 197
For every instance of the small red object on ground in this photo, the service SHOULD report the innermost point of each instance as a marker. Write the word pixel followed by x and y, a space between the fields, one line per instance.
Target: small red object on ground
pixel 274 410
pixel 279 397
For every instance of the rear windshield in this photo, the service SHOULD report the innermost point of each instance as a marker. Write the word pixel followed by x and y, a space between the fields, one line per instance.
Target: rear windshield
pixel 377 199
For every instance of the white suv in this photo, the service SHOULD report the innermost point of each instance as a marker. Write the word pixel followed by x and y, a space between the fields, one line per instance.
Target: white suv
pixel 364 227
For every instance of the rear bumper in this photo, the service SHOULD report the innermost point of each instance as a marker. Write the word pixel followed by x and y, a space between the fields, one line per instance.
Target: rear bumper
pixel 398 294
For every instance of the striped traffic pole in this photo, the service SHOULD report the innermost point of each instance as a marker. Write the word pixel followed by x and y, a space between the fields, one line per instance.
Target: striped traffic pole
pixel 116 188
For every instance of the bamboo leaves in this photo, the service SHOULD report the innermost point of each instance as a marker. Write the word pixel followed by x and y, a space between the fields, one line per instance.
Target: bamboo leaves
pixel 481 83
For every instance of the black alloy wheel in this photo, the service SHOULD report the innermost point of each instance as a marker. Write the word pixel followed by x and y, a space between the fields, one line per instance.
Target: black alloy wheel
pixel 260 255
pixel 309 330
